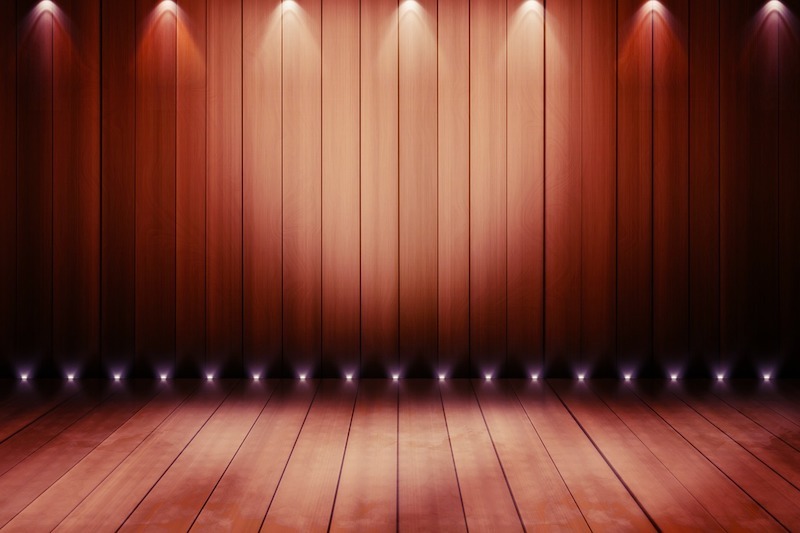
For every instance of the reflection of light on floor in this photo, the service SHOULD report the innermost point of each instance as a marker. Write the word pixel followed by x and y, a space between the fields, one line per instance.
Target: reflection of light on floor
pixel 774 6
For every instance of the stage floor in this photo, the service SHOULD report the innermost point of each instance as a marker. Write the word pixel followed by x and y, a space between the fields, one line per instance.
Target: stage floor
pixel 408 455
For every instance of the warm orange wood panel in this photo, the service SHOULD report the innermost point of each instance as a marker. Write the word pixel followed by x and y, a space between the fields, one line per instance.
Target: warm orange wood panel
pixel 789 186
pixel 599 188
pixel 562 255
pixel 671 184
pixel 379 188
pixel 8 185
pixel 341 179
pixel 34 278
pixel 526 171
pixel 488 266
pixel 418 173
pixel 190 190
pixel 76 186
pixel 118 224
pixel 262 231
pixel 156 77
pixel 224 189
pixel 704 266
pixel 453 192
pixel 635 185
pixel 302 186
pixel 366 497
pixel 428 493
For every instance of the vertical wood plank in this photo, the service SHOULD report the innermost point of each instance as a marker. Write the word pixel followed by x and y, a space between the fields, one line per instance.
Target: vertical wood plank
pixel 379 188
pixel 789 187
pixel 118 223
pixel 224 189
pixel 488 231
pixel 634 182
pixel 526 167
pixel 704 54
pixel 453 193
pixel 670 184
pixel 76 187
pixel 341 160
pixel 8 186
pixel 418 187
pixel 562 255
pixel 302 182
pixel 599 188
pixel 35 186
pixel 190 190
pixel 156 78
pixel 262 232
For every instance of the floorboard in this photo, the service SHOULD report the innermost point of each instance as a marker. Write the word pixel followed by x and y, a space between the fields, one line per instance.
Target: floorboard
pixel 27 402
pixel 487 500
pixel 241 498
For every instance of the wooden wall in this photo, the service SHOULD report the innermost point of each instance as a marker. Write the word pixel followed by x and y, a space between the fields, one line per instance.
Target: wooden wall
pixel 460 187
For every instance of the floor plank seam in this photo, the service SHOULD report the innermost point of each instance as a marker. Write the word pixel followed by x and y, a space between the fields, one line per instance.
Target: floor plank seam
pixel 452 456
pixel 344 454
pixel 28 424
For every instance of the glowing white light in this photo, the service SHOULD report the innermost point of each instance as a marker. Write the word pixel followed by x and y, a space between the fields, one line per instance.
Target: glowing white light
pixel 767 377
pixel 441 377
pixel 774 6
pixel 163 377
pixel 210 377
pixel 534 377
pixel 24 377
pixel 627 377
pixel 581 377
pixel 70 377
pixel 349 377
pixel 395 377
pixel 256 377
pixel 488 377
pixel 302 377
pixel 674 377
pixel 117 377
pixel 720 377
pixel 46 6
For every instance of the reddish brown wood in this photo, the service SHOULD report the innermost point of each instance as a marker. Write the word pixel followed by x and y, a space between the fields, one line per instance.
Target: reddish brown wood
pixel 563 185
pixel 224 189
pixel 341 215
pixel 34 278
pixel 305 497
pixel 8 186
pixel 190 190
pixel 379 188
pixel 704 265
pixel 428 495
pixel 241 499
pixel 453 191
pixel 118 224
pixel 418 203
pixel 526 171
pixel 599 188
pixel 671 184
pixel 635 185
pixel 262 178
pixel 366 497
pixel 28 403
pixel 488 200
pixel 156 76
pixel 485 494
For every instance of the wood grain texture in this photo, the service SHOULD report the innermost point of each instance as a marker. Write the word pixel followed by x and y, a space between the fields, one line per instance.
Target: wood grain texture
pixel 305 497
pixel 34 276
pixel 485 495
pixel 671 184
pixel 224 189
pixel 379 188
pixel 76 187
pixel 262 183
pixel 428 494
pixel 488 200
pixel 525 164
pixel 190 190
pixel 603 499
pixel 240 499
pixel 704 265
pixel 789 187
pixel 563 185
pixel 118 208
pixel 302 186
pixel 156 79
pixel 542 498
pixel 599 188
pixel 8 186
pixel 341 188
pixel 635 186
pixel 366 497
pixel 418 186
pixel 27 404
pixel 453 192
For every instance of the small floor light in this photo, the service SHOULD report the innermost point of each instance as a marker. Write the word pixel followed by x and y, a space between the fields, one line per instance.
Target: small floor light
pixel 720 377
pixel 24 377
pixel 395 377
pixel 488 377
pixel 302 377
pixel 674 377
pixel 117 377
pixel 627 377
pixel 70 377
pixel 535 377
pixel 349 377
pixel 163 377
pixel 210 377
pixel 441 377
pixel 581 377
pixel 767 377
pixel 256 377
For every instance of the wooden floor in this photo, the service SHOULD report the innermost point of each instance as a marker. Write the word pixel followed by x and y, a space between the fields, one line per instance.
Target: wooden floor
pixel 408 455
